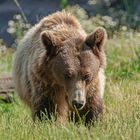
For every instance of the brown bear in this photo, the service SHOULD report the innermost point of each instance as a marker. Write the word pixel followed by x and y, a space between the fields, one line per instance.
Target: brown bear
pixel 59 69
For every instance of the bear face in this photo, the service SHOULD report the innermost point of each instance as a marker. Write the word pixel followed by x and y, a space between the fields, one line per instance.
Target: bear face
pixel 74 63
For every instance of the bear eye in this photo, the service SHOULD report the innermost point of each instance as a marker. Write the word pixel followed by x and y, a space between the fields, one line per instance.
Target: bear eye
pixel 86 77
pixel 68 76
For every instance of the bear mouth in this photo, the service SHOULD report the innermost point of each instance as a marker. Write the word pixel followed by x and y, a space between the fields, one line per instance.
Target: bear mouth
pixel 78 105
pixel 75 105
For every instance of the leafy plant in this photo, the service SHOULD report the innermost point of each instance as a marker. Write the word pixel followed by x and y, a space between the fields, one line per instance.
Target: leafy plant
pixel 63 3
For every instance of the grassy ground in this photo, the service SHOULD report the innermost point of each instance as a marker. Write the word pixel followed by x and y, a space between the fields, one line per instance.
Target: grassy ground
pixel 121 119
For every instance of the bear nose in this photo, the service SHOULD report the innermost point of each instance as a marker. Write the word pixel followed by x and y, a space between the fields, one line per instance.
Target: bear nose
pixel 78 104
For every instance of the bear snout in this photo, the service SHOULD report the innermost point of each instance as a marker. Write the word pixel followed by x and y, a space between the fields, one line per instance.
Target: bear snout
pixel 78 104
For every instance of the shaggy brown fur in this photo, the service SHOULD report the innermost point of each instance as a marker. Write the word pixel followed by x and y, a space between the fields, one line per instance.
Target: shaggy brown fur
pixel 59 69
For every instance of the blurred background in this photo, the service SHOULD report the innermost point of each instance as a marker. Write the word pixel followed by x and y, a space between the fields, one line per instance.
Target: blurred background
pixel 112 14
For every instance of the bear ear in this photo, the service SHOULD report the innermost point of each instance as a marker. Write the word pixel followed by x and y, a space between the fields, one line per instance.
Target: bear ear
pixel 96 39
pixel 48 43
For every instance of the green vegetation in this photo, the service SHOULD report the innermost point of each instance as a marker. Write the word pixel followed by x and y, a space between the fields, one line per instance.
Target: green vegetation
pixel 121 119
pixel 63 3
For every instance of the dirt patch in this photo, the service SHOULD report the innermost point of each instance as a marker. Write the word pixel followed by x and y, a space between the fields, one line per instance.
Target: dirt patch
pixel 6 88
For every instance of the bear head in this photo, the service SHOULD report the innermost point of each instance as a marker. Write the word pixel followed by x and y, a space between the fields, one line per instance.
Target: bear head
pixel 75 62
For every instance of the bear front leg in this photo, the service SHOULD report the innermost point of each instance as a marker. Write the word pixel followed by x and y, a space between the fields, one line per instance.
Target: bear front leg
pixel 93 110
pixel 61 107
pixel 45 108
pixel 42 109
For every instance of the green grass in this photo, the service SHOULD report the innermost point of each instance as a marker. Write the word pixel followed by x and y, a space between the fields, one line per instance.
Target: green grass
pixel 121 119
pixel 6 62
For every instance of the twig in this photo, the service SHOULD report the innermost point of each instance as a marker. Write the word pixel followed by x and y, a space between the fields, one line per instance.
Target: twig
pixel 22 13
